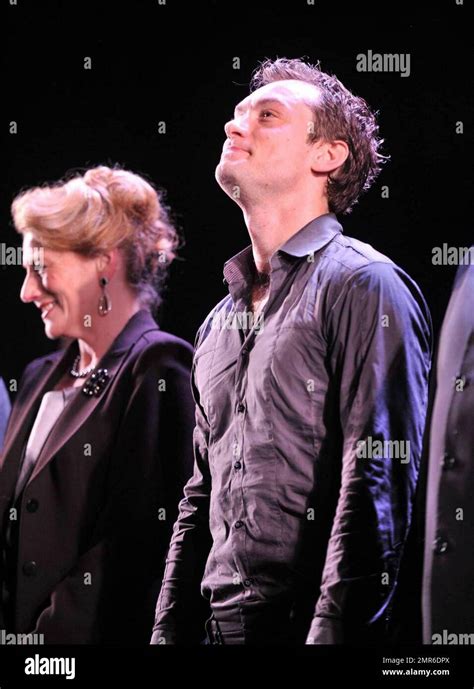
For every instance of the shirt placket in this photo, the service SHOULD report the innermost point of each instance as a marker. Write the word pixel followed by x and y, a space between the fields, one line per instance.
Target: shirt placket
pixel 238 526
pixel 239 535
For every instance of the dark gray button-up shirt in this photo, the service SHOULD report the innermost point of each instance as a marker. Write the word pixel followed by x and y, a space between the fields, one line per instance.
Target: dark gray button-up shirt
pixel 309 423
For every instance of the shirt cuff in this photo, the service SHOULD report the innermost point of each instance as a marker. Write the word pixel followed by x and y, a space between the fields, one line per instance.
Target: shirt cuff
pixel 325 630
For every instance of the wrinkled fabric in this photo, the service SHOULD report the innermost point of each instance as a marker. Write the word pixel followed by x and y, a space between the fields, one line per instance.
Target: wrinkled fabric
pixel 300 520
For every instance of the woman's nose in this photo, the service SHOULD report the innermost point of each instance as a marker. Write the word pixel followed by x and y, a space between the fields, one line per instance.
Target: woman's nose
pixel 30 289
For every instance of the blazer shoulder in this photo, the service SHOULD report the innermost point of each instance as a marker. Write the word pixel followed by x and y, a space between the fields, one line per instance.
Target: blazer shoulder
pixel 37 364
pixel 162 349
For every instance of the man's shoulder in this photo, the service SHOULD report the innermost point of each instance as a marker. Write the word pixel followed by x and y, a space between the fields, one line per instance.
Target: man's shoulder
pixel 348 261
pixel 349 255
pixel 350 266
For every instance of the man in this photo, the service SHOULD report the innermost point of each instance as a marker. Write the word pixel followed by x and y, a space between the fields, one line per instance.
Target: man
pixel 310 382
pixel 448 594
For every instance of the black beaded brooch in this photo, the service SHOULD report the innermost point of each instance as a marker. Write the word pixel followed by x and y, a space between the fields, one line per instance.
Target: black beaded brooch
pixel 96 382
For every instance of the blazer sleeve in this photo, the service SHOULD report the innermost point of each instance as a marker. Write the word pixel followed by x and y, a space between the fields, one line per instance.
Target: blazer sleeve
pixel 124 556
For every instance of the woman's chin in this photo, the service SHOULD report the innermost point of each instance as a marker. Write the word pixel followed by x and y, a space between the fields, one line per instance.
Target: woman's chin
pixel 51 332
pixel 52 329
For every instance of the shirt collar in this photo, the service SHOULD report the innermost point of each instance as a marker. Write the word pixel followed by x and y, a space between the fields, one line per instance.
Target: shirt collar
pixel 312 237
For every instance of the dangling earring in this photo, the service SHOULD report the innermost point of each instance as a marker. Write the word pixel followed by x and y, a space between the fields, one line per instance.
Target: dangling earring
pixel 105 305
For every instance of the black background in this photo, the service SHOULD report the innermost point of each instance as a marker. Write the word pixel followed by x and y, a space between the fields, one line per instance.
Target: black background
pixel 174 63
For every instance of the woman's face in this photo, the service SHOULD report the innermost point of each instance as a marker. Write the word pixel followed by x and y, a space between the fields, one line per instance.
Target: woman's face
pixel 63 285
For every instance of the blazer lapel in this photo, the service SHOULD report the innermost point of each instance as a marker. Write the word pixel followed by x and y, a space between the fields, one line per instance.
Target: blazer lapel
pixel 78 408
pixel 81 406
pixel 51 370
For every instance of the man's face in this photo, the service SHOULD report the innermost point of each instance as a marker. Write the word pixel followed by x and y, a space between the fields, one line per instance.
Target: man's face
pixel 267 149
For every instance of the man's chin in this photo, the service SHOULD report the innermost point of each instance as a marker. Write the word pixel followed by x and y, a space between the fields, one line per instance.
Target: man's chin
pixel 228 180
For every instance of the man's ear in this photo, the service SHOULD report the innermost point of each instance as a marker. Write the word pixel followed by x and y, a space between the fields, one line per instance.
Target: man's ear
pixel 328 156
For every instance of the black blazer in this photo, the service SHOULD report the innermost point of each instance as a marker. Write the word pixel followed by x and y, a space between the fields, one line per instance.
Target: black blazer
pixel 92 525
pixel 443 577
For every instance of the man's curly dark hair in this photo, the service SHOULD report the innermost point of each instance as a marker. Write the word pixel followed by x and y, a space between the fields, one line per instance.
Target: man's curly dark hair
pixel 338 115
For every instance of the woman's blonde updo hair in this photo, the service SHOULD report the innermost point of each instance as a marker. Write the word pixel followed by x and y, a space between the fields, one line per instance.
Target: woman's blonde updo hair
pixel 103 209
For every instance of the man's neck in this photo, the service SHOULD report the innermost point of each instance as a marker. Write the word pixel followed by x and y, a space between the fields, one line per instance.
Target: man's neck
pixel 270 226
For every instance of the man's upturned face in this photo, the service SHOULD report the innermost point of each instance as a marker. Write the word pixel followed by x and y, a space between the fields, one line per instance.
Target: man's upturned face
pixel 267 149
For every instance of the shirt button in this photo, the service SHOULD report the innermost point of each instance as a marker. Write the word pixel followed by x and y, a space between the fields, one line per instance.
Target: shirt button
pixel 30 568
pixel 448 462
pixel 32 505
pixel 237 465
pixel 248 582
pixel 440 545
pixel 238 524
pixel 241 407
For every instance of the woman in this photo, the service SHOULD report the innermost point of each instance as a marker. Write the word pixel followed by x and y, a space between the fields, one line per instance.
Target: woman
pixel 99 442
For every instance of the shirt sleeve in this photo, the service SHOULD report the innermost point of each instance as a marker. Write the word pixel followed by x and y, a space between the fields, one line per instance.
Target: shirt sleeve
pixel 379 334
pixel 180 609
